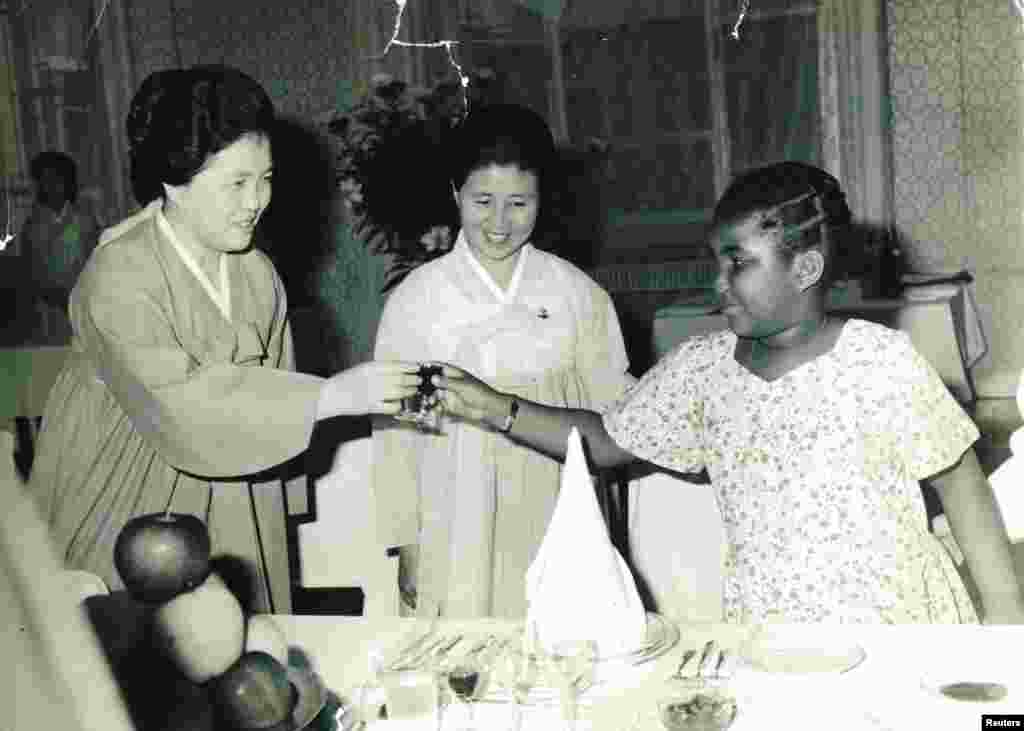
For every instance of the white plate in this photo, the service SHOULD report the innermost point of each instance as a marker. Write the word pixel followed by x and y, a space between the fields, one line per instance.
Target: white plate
pixel 662 636
pixel 779 651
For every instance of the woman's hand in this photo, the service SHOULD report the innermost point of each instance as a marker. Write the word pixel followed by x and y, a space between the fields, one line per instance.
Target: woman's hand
pixel 466 396
pixel 376 387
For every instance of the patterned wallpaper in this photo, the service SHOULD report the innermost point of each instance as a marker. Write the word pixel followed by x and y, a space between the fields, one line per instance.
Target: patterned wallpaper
pixel 958 115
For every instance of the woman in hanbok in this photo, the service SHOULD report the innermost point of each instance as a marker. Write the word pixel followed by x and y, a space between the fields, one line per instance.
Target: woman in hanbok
pixel 467 506
pixel 179 393
pixel 815 432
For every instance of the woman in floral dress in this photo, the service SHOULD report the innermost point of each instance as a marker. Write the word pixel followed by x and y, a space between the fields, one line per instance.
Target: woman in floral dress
pixel 814 431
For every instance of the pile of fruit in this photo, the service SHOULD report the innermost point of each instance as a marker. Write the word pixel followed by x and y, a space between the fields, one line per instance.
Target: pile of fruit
pixel 199 624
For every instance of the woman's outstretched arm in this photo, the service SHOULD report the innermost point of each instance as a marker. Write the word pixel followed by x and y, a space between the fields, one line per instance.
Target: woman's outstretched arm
pixel 544 428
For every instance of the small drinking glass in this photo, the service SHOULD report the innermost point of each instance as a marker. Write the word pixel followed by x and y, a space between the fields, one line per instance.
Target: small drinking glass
pixel 518 669
pixel 410 693
pixel 463 679
pixel 572 661
pixel 424 408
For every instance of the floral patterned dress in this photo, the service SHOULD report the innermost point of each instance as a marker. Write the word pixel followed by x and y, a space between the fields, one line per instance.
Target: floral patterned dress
pixel 815 473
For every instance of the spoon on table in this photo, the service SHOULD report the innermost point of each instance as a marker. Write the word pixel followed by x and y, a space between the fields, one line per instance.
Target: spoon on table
pixel 974 691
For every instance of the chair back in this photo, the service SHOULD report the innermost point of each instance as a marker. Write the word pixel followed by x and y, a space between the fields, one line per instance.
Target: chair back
pixel 340 548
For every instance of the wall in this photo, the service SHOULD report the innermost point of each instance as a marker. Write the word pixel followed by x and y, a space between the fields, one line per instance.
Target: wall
pixel 958 116
pixel 310 54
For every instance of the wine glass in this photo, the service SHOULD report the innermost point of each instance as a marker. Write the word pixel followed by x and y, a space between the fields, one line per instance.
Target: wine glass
pixel 463 680
pixel 571 660
pixel 518 668
pixel 370 694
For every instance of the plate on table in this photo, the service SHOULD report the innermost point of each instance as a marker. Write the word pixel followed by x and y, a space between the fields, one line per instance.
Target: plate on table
pixel 662 636
pixel 800 651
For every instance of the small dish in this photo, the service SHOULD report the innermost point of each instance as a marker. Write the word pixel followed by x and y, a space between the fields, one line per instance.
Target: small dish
pixel 696 704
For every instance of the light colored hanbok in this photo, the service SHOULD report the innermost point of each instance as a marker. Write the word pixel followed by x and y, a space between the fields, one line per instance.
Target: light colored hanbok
pixel 476 503
pixel 179 393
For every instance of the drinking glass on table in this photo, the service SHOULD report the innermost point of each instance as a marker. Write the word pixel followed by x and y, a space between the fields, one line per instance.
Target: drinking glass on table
pixel 518 670
pixel 463 677
pixel 572 661
pixel 411 694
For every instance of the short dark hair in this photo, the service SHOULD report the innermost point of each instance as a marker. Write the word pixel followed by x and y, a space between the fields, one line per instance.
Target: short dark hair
pixel 805 204
pixel 62 164
pixel 180 117
pixel 502 134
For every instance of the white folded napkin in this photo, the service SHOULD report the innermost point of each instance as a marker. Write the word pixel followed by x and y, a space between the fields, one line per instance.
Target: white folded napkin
pixel 1007 480
pixel 578 587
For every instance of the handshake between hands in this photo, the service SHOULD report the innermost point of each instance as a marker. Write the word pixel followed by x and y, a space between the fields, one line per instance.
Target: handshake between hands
pixel 410 391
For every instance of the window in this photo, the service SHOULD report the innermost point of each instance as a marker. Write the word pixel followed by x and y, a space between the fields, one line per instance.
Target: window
pixel 52 96
pixel 680 104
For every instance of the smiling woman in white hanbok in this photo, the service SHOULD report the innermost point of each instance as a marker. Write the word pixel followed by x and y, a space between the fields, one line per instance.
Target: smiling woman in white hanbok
pixel 468 506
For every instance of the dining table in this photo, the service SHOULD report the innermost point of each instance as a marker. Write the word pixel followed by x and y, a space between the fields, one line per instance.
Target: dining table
pixel 891 684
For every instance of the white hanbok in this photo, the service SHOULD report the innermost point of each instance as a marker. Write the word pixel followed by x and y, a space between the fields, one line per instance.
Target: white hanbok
pixel 476 503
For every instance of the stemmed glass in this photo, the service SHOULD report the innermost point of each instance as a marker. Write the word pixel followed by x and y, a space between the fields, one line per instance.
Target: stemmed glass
pixel 370 694
pixel 518 670
pixel 463 680
pixel 571 660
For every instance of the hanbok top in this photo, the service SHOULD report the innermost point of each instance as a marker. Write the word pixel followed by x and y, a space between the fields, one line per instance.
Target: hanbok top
pixel 179 393
pixel 476 503
pixel 815 473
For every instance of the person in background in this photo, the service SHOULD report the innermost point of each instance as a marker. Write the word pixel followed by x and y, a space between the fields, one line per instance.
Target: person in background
pixel 179 393
pixel 814 431
pixel 468 507
pixel 59 235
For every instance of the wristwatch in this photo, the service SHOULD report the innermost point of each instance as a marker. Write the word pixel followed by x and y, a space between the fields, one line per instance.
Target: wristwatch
pixel 513 412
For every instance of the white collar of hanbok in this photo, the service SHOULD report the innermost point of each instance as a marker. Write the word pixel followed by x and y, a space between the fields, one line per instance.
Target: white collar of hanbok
pixel 503 296
pixel 222 296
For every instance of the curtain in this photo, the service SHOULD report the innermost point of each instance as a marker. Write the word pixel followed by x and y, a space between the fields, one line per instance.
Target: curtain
pixel 771 89
pixel 115 84
pixel 856 134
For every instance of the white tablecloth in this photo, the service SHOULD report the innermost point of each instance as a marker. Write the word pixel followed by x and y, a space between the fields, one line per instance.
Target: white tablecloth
pixel 884 692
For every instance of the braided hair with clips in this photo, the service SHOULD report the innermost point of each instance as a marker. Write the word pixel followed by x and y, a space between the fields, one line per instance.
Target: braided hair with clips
pixel 802 204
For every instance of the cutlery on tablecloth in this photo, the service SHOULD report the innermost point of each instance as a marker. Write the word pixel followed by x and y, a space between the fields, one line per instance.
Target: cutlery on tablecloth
pixel 682 670
pixel 431 654
pixel 974 691
pixel 412 648
pixel 414 658
pixel 707 659
pixel 723 668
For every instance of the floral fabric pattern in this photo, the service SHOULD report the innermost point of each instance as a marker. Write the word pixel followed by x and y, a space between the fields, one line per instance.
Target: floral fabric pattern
pixel 815 473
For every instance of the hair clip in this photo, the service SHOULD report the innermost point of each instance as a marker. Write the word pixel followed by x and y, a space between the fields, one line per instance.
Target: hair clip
pixel 812 193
